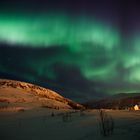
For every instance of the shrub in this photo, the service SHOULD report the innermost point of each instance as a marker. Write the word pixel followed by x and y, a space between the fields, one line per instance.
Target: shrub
pixel 66 117
pixel 106 123
pixel 52 114
pixel 82 113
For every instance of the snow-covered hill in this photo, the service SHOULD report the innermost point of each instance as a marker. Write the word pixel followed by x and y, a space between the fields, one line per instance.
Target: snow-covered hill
pixel 25 95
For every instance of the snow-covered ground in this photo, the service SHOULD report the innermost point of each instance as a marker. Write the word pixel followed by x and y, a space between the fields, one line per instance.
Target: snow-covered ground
pixel 49 124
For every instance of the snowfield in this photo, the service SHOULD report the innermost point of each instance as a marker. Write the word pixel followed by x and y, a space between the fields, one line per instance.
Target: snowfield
pixel 30 112
pixel 52 124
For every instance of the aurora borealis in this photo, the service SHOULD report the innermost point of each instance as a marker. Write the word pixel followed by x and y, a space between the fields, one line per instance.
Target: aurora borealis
pixel 82 55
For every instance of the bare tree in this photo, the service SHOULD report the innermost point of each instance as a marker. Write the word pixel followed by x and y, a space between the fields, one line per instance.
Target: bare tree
pixel 106 123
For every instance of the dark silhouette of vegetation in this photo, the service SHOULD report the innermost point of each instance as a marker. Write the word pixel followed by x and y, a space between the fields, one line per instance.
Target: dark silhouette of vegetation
pixel 82 113
pixel 66 117
pixel 106 124
pixel 52 114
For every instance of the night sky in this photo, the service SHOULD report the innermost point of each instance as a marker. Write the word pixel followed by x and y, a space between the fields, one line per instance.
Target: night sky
pixel 81 49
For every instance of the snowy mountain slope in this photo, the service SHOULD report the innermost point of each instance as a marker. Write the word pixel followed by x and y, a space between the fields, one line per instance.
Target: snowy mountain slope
pixel 17 93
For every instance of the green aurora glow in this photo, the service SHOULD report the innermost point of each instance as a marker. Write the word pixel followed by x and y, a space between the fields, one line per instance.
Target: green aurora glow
pixel 92 46
pixel 50 29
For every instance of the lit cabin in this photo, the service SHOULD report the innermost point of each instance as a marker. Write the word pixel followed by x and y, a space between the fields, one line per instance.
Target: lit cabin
pixel 137 107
